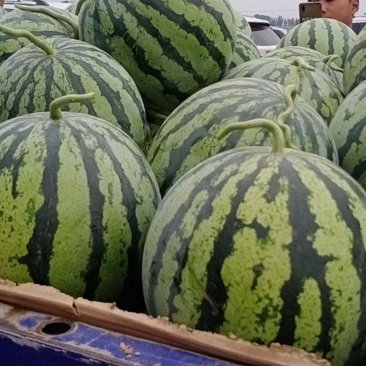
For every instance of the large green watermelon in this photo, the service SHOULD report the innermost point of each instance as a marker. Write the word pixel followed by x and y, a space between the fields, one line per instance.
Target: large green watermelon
pixel 77 197
pixel 34 76
pixel 268 246
pixel 171 48
pixel 245 49
pixel 355 64
pixel 313 58
pixel 189 134
pixel 327 36
pixel 315 86
pixel 38 20
pixel 242 23
pixel 348 128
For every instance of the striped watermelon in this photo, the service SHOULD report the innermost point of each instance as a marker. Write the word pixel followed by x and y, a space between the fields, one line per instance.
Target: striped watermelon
pixel 355 65
pixel 189 134
pixel 313 58
pixel 327 36
pixel 34 76
pixel 242 23
pixel 171 48
pixel 72 8
pixel 77 197
pixel 36 19
pixel 268 246
pixel 316 87
pixel 348 128
pixel 245 49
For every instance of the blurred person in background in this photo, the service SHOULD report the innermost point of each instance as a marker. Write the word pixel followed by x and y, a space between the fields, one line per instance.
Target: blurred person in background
pixel 342 10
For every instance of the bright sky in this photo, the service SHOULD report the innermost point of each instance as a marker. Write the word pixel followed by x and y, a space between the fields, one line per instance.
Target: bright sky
pixel 286 8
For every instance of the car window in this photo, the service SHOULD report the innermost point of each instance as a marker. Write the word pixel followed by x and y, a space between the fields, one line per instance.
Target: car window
pixel 357 27
pixel 264 35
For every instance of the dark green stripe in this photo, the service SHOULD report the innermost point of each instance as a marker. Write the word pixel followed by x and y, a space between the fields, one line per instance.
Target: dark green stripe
pixel 353 138
pixel 22 89
pixel 165 45
pixel 96 205
pixel 306 263
pixel 46 221
pixel 330 32
pixel 131 284
pixel 166 232
pixel 212 318
pixel 358 250
pixel 186 24
pixel 9 160
pixel 91 67
pixel 313 39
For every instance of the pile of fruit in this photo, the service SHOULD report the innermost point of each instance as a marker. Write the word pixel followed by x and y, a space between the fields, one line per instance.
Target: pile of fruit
pixel 150 157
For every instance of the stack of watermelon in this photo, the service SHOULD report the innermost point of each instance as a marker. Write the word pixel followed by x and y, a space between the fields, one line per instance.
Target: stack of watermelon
pixel 261 231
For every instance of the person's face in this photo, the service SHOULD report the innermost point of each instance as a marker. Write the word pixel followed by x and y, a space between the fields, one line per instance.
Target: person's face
pixel 342 10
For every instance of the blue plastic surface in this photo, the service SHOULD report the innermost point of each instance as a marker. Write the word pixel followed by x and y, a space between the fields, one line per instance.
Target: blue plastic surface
pixel 22 342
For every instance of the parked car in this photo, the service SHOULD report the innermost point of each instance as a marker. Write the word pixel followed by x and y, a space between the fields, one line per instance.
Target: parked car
pixel 10 4
pixel 281 32
pixel 264 36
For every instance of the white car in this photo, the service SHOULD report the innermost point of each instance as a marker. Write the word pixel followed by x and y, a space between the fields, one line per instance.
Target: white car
pixel 11 4
pixel 264 36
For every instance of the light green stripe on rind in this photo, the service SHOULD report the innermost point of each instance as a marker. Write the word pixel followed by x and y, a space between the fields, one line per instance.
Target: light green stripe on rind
pixel 71 248
pixel 308 322
pixel 194 275
pixel 117 232
pixel 168 209
pixel 345 289
pixel 19 222
pixel 258 317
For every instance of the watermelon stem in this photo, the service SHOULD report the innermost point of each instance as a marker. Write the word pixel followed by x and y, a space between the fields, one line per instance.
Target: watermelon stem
pixel 58 103
pixel 50 12
pixel 31 37
pixel 300 62
pixel 78 6
pixel 161 117
pixel 278 144
pixel 289 96
pixel 329 61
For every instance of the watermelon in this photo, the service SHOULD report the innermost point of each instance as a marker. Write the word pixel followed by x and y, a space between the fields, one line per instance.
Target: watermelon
pixel 355 65
pixel 327 36
pixel 268 246
pixel 313 58
pixel 171 48
pixel 42 21
pixel 77 197
pixel 41 72
pixel 189 134
pixel 245 49
pixel 2 12
pixel 316 87
pixel 242 23
pixel 348 128
pixel 73 7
